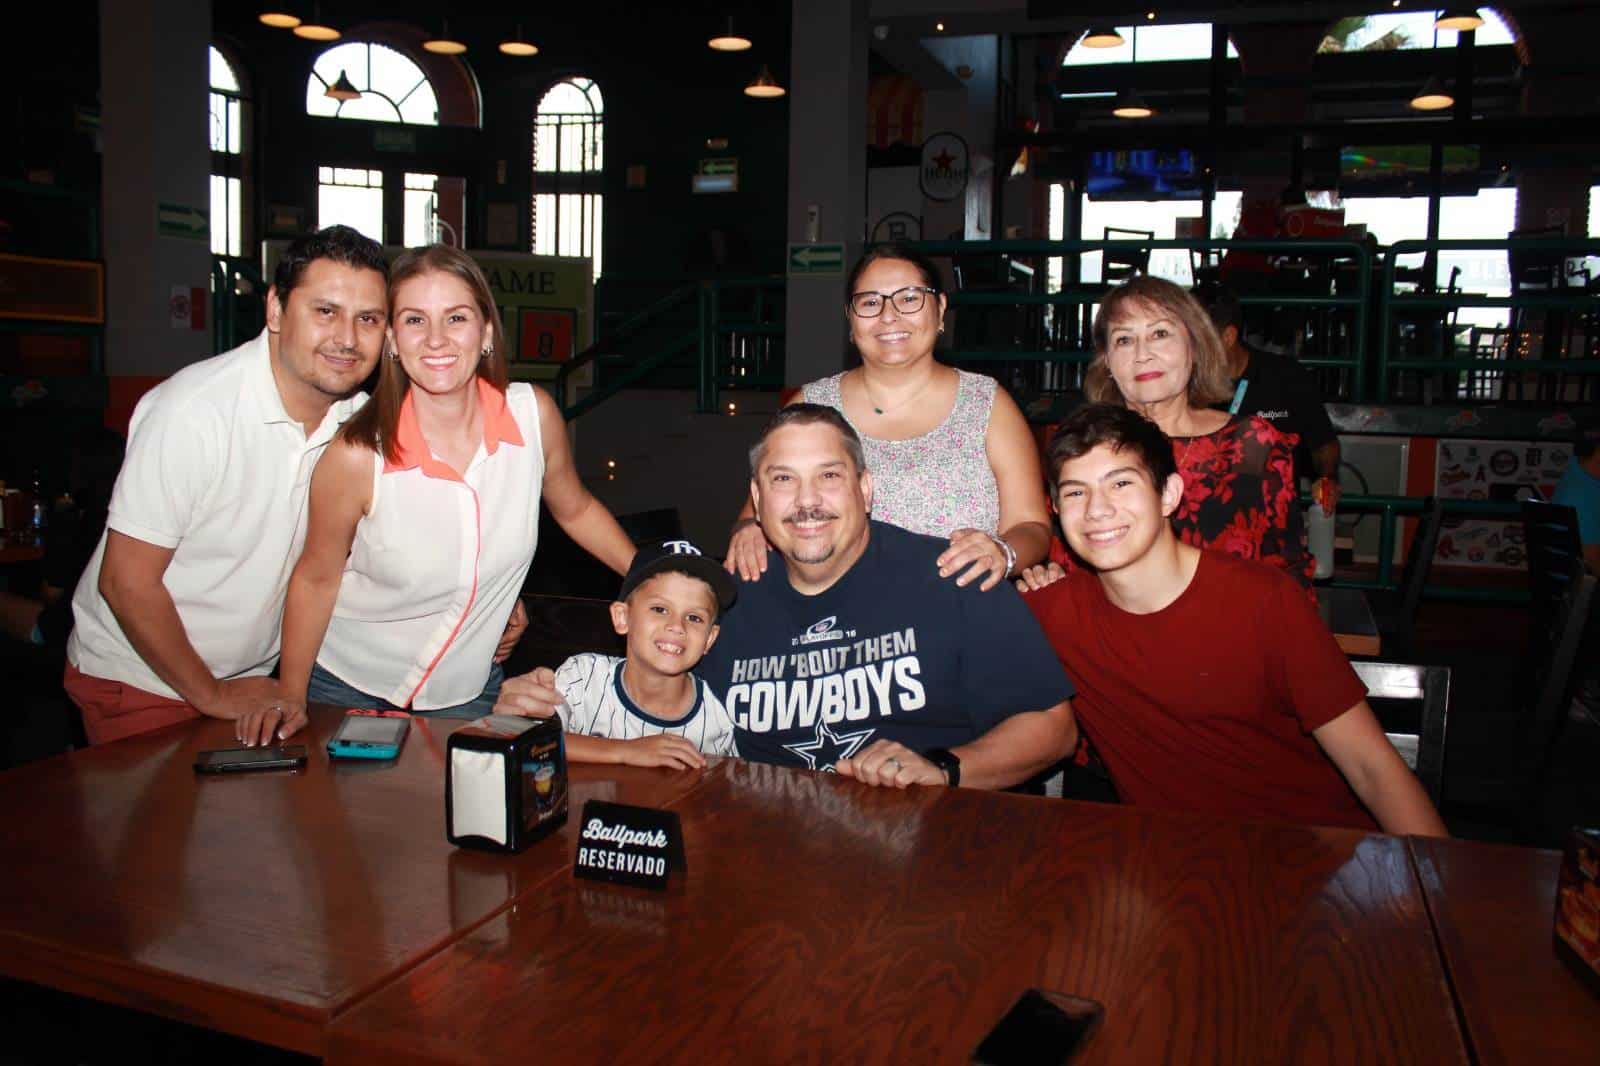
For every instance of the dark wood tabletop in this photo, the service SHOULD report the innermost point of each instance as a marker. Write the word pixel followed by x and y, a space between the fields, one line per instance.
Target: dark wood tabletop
pixel 824 921
pixel 256 904
pixel 1493 908
pixel 1348 616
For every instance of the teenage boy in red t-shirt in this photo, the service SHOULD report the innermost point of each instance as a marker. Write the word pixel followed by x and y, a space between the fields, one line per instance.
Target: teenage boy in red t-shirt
pixel 1206 682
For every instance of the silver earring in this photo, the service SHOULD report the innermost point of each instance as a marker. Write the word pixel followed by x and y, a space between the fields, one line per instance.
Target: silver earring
pixel 488 350
pixel 393 354
pixel 941 327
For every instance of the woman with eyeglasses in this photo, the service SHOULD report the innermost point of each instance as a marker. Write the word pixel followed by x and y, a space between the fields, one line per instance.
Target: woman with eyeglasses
pixel 950 453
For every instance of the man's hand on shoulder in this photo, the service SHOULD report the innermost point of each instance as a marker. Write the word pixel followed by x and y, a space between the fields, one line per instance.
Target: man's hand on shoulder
pixel 887 764
pixel 1038 576
pixel 530 695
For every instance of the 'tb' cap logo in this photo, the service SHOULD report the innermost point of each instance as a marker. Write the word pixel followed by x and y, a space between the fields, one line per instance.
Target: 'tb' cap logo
pixel 680 547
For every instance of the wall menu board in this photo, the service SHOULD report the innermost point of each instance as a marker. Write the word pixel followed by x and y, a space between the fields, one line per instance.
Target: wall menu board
pixel 1492 470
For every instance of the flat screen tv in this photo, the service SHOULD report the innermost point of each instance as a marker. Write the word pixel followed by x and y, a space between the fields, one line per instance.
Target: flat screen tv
pixel 1144 174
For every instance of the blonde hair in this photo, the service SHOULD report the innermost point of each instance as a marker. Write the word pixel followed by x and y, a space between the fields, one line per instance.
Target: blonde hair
pixel 1208 371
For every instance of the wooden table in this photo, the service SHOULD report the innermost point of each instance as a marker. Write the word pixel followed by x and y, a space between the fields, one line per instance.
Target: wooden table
pixel 824 921
pixel 1493 909
pixel 1348 616
pixel 258 904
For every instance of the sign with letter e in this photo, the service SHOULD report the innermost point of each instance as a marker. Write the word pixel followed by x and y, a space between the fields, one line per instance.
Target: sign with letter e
pixel 628 845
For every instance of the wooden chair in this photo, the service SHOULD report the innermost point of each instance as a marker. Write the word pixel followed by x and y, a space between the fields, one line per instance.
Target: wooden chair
pixel 1562 595
pixel 1121 264
pixel 1422 750
pixel 1396 612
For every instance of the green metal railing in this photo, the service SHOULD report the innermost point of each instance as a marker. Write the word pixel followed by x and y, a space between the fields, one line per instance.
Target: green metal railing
pixel 236 287
pixel 1393 306
pixel 1390 509
pixel 1082 295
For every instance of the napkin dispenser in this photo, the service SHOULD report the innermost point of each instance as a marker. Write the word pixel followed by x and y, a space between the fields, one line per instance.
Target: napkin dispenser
pixel 505 782
pixel 1578 906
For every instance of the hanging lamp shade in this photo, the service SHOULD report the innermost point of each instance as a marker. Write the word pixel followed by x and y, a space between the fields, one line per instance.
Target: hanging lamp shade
pixel 342 89
pixel 1459 19
pixel 764 86
pixel 444 44
pixel 1102 37
pixel 729 41
pixel 280 20
pixel 516 46
pixel 1432 96
pixel 1129 104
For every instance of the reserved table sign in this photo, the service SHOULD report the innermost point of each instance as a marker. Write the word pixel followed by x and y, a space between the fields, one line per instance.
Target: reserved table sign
pixel 629 845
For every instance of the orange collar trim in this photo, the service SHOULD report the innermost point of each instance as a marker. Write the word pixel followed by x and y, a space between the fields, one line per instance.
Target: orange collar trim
pixel 499 427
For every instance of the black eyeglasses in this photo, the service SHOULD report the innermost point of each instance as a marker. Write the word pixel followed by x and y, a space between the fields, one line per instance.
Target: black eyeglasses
pixel 907 301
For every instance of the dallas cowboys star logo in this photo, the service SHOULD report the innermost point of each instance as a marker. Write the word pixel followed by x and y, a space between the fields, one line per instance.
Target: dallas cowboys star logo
pixel 828 747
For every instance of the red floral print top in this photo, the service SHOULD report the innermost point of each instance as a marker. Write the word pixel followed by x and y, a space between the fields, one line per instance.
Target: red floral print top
pixel 1239 497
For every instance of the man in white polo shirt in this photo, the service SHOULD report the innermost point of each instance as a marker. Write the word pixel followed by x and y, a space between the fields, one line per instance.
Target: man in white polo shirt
pixel 178 612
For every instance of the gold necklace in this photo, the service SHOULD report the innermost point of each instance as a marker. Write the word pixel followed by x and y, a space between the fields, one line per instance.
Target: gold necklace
pixel 877 409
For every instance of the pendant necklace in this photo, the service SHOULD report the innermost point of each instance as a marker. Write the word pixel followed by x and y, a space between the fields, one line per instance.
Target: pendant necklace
pixel 877 409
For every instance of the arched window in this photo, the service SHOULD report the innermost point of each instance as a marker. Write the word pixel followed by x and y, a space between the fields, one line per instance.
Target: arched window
pixel 229 108
pixel 1157 44
pixel 568 154
pixel 392 87
pixel 1398 31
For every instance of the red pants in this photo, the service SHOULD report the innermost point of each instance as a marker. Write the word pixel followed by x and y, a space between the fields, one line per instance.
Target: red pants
pixel 113 710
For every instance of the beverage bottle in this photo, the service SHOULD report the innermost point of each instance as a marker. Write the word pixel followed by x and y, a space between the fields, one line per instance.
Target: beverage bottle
pixel 1319 537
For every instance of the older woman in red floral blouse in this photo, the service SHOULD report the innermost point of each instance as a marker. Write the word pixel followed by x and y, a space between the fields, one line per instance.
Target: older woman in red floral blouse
pixel 1157 352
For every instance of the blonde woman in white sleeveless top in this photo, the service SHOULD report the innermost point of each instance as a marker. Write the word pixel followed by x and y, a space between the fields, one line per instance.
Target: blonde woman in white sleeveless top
pixel 424 511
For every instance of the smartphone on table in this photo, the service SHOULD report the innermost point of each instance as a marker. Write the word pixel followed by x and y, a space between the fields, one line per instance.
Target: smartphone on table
pixel 242 760
pixel 369 735
pixel 1041 1029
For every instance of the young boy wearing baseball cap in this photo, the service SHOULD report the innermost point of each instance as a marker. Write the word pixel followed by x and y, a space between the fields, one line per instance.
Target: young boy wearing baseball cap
pixel 649 709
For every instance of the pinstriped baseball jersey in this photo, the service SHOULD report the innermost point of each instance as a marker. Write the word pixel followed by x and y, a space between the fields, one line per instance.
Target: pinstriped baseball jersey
pixel 597 705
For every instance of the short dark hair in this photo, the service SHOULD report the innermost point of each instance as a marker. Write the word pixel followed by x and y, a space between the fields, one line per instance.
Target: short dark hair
pixel 339 243
pixel 892 250
pixel 1223 304
pixel 1095 424
pixel 809 414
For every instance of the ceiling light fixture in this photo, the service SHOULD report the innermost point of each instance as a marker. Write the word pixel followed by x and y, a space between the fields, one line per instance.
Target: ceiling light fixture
pixel 280 20
pixel 1432 96
pixel 444 44
pixel 517 46
pixel 1102 37
pixel 764 87
pixel 1459 19
pixel 343 89
pixel 316 30
pixel 730 41
pixel 1129 104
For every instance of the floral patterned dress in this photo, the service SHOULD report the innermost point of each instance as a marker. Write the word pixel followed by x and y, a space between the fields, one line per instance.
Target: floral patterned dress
pixel 1239 495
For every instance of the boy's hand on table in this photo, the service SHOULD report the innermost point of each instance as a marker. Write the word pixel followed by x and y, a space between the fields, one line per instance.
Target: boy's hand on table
pixel 529 695
pixel 663 749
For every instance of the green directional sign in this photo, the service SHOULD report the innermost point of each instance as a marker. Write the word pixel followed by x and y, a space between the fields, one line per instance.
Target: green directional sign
pixel 725 165
pixel 816 260
pixel 181 220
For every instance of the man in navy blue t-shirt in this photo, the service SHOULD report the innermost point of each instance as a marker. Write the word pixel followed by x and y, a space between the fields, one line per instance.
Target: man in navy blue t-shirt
pixel 856 656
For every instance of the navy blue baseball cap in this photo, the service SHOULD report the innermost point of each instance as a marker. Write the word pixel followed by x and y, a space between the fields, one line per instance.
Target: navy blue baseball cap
pixel 679 557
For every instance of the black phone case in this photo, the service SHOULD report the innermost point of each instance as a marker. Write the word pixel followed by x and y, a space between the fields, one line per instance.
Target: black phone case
pixel 294 758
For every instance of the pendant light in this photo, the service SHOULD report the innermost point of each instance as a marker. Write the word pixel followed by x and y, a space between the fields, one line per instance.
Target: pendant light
pixel 444 44
pixel 1102 37
pixel 1129 104
pixel 1459 19
pixel 765 87
pixel 342 89
pixel 1432 96
pixel 280 20
pixel 517 46
pixel 730 41
pixel 316 30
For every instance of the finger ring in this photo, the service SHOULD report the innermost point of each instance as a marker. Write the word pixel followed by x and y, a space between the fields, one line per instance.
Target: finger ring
pixel 893 760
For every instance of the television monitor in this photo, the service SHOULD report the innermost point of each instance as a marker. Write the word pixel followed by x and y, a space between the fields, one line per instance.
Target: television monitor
pixel 1144 174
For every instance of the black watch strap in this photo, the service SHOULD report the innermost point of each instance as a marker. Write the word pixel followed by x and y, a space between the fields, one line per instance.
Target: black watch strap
pixel 946 760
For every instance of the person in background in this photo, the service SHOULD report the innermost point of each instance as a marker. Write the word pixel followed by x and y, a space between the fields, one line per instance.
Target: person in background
pixel 424 515
pixel 1280 390
pixel 1207 683
pixel 177 613
pixel 1157 353
pixel 1579 488
pixel 950 454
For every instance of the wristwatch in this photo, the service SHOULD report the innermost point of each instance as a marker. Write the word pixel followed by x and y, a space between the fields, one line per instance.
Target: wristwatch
pixel 946 760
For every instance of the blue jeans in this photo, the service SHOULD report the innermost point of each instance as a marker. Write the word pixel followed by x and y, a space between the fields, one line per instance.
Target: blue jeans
pixel 326 688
